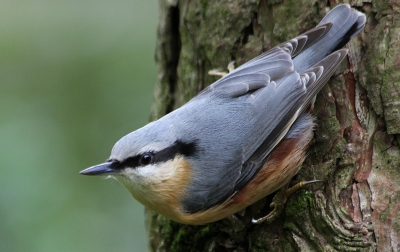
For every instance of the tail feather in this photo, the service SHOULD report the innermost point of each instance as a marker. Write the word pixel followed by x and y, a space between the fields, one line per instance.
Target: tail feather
pixel 346 23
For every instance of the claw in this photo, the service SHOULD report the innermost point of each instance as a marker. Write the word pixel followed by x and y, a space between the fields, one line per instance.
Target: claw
pixel 299 186
pixel 231 66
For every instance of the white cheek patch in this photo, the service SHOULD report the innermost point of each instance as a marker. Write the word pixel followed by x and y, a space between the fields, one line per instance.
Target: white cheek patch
pixel 145 171
pixel 151 174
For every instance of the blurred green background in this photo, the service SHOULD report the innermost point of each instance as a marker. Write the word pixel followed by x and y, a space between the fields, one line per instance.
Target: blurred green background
pixel 75 76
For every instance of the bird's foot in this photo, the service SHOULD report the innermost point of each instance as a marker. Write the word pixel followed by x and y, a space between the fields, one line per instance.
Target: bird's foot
pixel 217 72
pixel 278 203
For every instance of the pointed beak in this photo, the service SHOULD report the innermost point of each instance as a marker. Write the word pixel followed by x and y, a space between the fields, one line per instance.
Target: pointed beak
pixel 100 169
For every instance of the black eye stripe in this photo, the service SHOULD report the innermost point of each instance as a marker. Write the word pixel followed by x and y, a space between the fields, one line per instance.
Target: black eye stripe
pixel 129 162
pixel 178 148
pixel 115 164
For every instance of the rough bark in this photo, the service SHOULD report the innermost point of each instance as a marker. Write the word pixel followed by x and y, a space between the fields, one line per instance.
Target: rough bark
pixel 355 148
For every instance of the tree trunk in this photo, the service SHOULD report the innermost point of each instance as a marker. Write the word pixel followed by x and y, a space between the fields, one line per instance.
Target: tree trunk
pixel 355 150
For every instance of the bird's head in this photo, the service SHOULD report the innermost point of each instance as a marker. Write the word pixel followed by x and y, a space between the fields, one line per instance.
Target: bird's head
pixel 155 170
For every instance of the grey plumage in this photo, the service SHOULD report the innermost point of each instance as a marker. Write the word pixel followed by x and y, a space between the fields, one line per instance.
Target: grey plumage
pixel 346 23
pixel 236 122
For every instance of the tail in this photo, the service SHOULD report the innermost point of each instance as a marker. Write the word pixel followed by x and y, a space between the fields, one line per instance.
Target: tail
pixel 344 23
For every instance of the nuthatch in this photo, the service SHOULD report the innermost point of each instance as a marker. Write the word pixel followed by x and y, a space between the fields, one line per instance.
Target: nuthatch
pixel 241 138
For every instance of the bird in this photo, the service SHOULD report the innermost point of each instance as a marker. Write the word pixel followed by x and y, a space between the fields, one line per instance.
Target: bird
pixel 241 138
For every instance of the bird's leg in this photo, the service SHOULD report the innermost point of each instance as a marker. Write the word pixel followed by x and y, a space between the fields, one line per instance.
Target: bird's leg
pixel 278 203
pixel 217 72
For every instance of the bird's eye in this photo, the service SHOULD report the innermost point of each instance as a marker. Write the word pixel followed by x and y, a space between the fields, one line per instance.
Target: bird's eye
pixel 145 159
